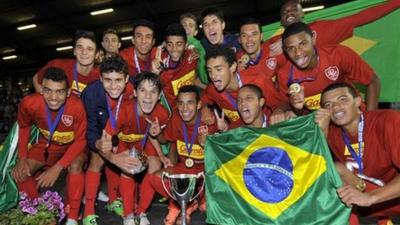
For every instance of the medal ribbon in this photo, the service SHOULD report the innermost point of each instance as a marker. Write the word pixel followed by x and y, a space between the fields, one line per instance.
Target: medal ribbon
pixel 146 134
pixel 188 145
pixel 291 79
pixel 113 119
pixel 358 157
pixel 265 121
pixel 173 66
pixel 137 64
pixel 257 60
pixel 229 96
pixel 52 127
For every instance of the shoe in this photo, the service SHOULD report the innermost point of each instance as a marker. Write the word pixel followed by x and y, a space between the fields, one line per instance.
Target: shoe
pixel 116 206
pixel 71 222
pixel 102 197
pixel 129 220
pixel 173 214
pixel 90 220
pixel 143 220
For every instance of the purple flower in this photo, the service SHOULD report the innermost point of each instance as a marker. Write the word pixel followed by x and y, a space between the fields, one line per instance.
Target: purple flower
pixel 29 210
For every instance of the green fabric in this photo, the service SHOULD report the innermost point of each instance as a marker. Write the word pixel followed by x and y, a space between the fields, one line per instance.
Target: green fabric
pixel 246 169
pixel 164 102
pixel 382 56
pixel 8 156
pixel 201 65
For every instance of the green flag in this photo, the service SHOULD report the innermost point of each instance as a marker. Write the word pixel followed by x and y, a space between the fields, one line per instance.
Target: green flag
pixel 376 42
pixel 280 175
pixel 8 155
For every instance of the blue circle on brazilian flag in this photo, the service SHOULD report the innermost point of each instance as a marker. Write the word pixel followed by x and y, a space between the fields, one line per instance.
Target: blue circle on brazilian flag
pixel 268 174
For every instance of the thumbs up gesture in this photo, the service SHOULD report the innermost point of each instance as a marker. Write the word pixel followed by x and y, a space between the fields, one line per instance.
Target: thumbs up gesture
pixel 104 144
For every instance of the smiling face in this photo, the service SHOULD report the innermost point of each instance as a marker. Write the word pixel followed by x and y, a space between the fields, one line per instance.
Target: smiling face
pixel 250 107
pixel 250 39
pixel 175 46
pixel 300 50
pixel 143 40
pixel 220 72
pixel 344 107
pixel 291 12
pixel 213 29
pixel 54 93
pixel 147 95
pixel 188 106
pixel 111 43
pixel 85 51
pixel 114 83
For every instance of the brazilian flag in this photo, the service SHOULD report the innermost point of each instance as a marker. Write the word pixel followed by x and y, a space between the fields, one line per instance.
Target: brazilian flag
pixel 8 155
pixel 283 174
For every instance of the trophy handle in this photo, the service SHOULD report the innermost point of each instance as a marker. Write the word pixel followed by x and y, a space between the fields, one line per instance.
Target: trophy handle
pixel 201 174
pixel 165 174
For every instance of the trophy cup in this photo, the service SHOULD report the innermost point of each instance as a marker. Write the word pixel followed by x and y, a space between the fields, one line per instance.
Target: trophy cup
pixel 182 188
pixel 143 163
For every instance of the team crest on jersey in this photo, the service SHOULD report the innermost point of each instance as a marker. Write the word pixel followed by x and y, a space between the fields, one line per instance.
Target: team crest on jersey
pixel 332 73
pixel 203 130
pixel 67 120
pixel 271 63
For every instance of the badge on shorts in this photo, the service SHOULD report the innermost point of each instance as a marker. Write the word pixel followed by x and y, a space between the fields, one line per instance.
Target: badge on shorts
pixel 67 120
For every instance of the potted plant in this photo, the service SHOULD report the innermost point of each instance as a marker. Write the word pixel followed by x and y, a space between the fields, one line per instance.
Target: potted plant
pixel 48 209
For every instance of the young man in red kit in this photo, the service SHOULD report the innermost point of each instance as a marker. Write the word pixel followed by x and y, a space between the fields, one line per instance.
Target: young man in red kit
pixel 251 101
pixel 61 120
pixel 175 65
pixel 80 71
pixel 226 81
pixel 111 42
pixel 366 146
pixel 103 100
pixel 141 54
pixel 313 68
pixel 132 129
pixel 188 133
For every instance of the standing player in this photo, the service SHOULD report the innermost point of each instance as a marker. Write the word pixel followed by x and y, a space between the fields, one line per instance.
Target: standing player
pixel 317 67
pixel 61 120
pixel 80 71
pixel 139 56
pixel 366 145
pixel 111 42
pixel 213 24
pixel 188 133
pixel 175 66
pixel 102 99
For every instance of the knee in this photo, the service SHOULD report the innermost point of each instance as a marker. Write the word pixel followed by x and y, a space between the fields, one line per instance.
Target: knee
pixel 96 163
pixel 77 165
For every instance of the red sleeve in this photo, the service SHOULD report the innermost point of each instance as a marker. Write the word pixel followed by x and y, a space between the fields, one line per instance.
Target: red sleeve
pixel 171 130
pixel 79 143
pixel 25 122
pixel 205 97
pixel 370 14
pixel 356 68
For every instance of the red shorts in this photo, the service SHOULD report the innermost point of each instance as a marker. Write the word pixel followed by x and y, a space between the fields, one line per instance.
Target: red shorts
pixel 36 152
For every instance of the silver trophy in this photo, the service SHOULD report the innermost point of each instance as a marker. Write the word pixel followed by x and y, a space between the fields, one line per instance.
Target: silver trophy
pixel 183 187
pixel 143 163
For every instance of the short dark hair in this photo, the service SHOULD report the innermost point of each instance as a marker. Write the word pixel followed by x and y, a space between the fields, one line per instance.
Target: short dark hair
pixel 149 76
pixel 175 29
pixel 55 74
pixel 144 23
pixel 297 2
pixel 256 89
pixel 114 64
pixel 110 31
pixel 296 28
pixel 190 89
pixel 212 11
pixel 85 34
pixel 252 21
pixel 188 15
pixel 224 51
pixel 334 86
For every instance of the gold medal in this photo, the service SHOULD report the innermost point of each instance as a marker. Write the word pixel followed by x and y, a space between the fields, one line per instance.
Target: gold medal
pixel 245 59
pixel 189 163
pixel 294 88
